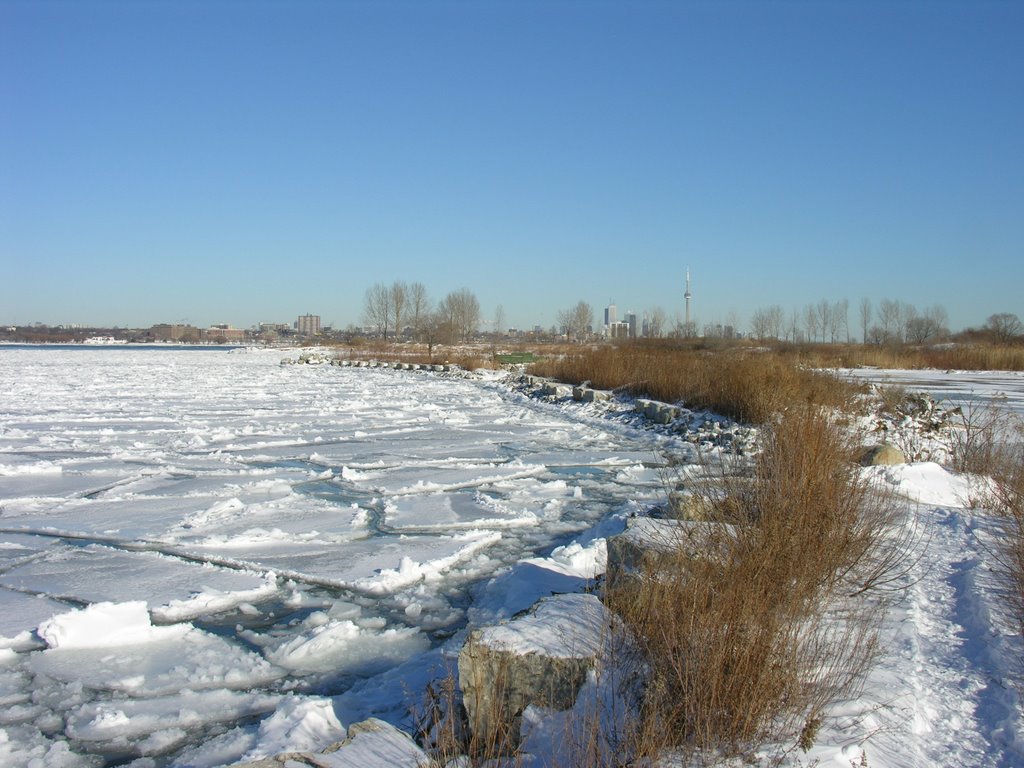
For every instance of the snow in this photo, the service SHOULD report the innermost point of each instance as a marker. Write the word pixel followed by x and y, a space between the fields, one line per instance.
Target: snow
pixel 210 557
pixel 563 626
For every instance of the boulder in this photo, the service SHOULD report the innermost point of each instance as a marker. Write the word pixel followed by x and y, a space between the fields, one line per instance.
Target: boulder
pixel 540 658
pixel 588 395
pixel 882 454
pixel 648 541
pixel 552 389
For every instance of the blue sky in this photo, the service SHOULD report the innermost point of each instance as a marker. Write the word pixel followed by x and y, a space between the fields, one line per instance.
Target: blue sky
pixel 252 161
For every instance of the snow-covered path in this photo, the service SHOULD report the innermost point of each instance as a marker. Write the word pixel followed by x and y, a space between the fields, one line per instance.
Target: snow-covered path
pixel 942 693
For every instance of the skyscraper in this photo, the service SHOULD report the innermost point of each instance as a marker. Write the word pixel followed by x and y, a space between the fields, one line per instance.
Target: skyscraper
pixel 610 314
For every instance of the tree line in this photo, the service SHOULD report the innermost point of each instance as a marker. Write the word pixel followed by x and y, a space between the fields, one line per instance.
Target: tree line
pixel 892 322
pixel 404 310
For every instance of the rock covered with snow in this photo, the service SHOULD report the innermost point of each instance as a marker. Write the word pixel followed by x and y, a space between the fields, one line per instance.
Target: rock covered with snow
pixel 646 541
pixel 885 454
pixel 541 659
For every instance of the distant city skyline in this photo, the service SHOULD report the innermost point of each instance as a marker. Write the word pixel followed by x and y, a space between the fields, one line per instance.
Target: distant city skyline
pixel 229 163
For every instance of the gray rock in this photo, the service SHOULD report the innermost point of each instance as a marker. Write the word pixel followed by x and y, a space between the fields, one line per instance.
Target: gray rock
pixel 541 658
pixel 648 542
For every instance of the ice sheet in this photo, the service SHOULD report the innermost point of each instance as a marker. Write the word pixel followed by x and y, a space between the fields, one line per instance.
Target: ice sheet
pixel 318 524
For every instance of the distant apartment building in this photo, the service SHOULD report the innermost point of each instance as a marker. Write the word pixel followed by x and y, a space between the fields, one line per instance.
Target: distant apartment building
pixel 308 325
pixel 174 332
pixel 618 331
pixel 224 333
pixel 631 322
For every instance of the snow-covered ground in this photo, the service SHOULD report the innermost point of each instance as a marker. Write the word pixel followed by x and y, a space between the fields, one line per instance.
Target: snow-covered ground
pixel 206 556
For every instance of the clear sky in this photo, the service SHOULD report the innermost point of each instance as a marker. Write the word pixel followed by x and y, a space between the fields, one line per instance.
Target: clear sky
pixel 252 161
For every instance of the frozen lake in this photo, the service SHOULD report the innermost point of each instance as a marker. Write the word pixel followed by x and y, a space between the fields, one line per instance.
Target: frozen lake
pixel 1004 388
pixel 295 532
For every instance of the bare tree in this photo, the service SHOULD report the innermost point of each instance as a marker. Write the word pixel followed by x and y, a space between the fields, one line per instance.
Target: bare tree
pixel 776 319
pixel 811 322
pixel 377 308
pixel 657 323
pixel 759 324
pixel 499 320
pixel 419 307
pixel 577 321
pixel 839 321
pixel 461 312
pixel 908 317
pixel 824 318
pixel 928 327
pixel 767 322
pixel 865 318
pixel 794 326
pixel 1004 326
pixel 889 320
pixel 399 302
pixel 433 327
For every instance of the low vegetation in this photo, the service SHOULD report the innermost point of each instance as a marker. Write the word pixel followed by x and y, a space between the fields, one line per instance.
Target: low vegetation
pixel 746 641
pixel 963 357
pixel 748 386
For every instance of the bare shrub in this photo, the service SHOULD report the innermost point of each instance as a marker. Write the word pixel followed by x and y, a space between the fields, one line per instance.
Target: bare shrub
pixel 747 639
pixel 444 731
pixel 981 436
pixel 1008 493
pixel 1006 499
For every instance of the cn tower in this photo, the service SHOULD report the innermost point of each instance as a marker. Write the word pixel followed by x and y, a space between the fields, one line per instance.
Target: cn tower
pixel 687 296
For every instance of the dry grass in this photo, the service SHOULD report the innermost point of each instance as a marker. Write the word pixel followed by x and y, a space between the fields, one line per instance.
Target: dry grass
pixel 447 735
pixel 1007 499
pixel 966 357
pixel 747 641
pixel 748 386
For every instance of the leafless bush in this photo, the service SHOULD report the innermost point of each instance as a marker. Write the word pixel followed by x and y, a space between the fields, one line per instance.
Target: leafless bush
pixel 1008 493
pixel 749 639
pixel 983 434
pixel 444 731
pixel 1006 498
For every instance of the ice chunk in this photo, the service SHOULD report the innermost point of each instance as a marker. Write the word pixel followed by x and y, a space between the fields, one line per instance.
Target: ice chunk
pixel 138 719
pixel 341 646
pixel 298 725
pixel 106 625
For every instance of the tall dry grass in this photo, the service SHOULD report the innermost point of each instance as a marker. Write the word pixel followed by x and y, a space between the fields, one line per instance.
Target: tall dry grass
pixel 748 638
pixel 745 385
pixel 966 357
pixel 1007 499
